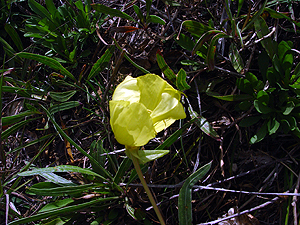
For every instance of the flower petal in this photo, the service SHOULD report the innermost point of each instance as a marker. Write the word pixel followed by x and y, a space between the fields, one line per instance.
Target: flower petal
pixel 131 123
pixel 127 90
pixel 151 87
pixel 168 110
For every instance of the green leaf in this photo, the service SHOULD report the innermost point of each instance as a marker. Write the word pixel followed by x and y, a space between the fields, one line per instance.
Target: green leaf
pixel 8 120
pixel 145 156
pixel 263 63
pixel 139 13
pixel 56 179
pixel 256 16
pixel 59 169
pixel 273 126
pixel 240 6
pixel 14 36
pixel 148 7
pixel 61 211
pixel 203 124
pixel 245 86
pixel 185 42
pixel 101 63
pixel 125 165
pixel 249 121
pixel 241 97
pixel 168 72
pixel 263 97
pixel 235 58
pixel 260 135
pixel 196 28
pixel 210 60
pixel 52 9
pixel 52 63
pixel 181 83
pixel 62 96
pixel 262 30
pixel 155 19
pixel 261 107
pixel 63 106
pixel 185 195
pixel 289 108
pixel 11 130
pixel 48 189
pixel 204 38
pixel 56 205
pixel 174 137
pixel 113 12
pixel 39 9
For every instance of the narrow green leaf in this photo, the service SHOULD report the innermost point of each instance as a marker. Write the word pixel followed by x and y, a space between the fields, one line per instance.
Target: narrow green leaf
pixel 11 130
pixel 210 60
pixel 39 9
pixel 59 169
pixel 62 96
pixel 185 195
pixel 139 13
pixel 262 30
pixel 52 9
pixel 235 58
pixel 52 63
pixel 240 6
pixel 63 106
pixel 50 190
pixel 101 63
pixel 148 7
pixel 61 211
pixel 14 36
pixel 56 205
pixel 231 98
pixel 125 165
pixel 56 179
pixel 155 19
pixel 181 83
pixel 174 137
pixel 9 50
pixel 8 120
pixel 145 156
pixel 113 12
pixel 204 38
pixel 168 72
pixel 255 17
pixel 196 28
pixel 203 124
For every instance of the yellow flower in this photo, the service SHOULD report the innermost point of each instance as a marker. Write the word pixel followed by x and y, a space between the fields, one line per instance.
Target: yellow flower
pixel 141 107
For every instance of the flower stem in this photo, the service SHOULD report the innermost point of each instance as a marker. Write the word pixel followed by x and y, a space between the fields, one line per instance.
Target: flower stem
pixel 148 192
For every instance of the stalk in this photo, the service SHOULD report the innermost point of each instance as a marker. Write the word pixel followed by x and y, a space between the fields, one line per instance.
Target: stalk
pixel 148 192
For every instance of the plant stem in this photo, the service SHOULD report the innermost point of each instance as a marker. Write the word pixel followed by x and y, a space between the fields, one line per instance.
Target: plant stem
pixel 148 192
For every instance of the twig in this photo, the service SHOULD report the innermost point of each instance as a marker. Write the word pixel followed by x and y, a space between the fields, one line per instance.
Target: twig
pixel 7 208
pixel 241 213
pixel 295 200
